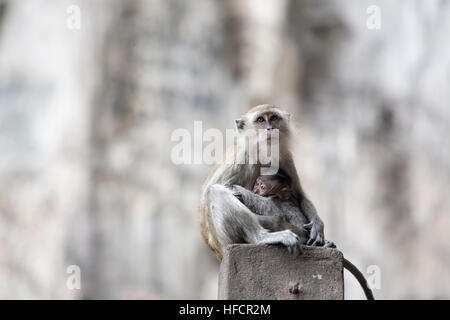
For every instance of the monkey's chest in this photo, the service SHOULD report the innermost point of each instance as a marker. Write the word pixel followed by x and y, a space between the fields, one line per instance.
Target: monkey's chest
pixel 247 178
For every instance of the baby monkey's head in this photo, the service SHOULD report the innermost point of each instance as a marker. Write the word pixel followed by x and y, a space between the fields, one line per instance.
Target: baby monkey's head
pixel 274 186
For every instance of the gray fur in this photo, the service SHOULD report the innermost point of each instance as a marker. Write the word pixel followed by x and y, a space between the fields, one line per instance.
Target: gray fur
pixel 275 214
pixel 235 223
pixel 225 220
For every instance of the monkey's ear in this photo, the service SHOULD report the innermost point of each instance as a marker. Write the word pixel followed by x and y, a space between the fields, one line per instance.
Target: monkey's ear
pixel 240 123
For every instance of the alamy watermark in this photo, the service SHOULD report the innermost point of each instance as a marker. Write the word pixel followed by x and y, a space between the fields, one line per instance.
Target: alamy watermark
pixel 73 281
pixel 252 147
pixel 373 21
pixel 73 21
pixel 374 277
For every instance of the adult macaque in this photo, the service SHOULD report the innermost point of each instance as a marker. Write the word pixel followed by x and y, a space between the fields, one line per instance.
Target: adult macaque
pixel 223 218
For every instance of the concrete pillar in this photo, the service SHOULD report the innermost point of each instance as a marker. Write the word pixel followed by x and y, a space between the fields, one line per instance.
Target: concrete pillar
pixel 257 272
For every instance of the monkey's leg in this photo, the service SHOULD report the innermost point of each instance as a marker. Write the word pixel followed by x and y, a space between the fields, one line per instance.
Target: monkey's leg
pixel 274 223
pixel 316 237
pixel 235 223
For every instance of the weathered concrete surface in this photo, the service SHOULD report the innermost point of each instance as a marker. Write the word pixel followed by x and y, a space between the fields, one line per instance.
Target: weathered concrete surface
pixel 259 272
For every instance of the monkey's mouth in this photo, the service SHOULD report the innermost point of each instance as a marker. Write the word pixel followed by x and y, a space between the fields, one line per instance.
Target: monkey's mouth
pixel 266 138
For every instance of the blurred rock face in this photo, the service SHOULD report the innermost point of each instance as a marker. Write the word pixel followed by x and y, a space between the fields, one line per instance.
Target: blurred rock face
pixel 86 117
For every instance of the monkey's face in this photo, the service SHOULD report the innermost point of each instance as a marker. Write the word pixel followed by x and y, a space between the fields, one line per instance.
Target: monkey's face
pixel 266 187
pixel 267 122
pixel 264 121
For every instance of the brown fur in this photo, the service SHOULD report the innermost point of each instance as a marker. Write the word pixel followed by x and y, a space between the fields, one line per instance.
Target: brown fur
pixel 207 229
pixel 262 106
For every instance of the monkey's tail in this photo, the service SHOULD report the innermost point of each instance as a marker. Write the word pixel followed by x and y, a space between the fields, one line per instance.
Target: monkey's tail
pixel 360 277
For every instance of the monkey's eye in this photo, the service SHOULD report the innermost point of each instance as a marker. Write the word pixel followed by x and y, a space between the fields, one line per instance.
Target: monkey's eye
pixel 260 119
pixel 273 118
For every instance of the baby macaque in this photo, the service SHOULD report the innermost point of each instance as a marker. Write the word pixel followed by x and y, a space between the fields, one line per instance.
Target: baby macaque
pixel 273 187
pixel 271 200
pixel 271 196
pixel 273 206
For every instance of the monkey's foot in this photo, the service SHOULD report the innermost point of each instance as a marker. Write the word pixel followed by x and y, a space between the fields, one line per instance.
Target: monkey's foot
pixel 315 229
pixel 329 244
pixel 286 237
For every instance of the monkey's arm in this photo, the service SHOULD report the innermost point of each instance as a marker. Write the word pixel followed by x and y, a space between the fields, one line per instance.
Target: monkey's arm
pixel 306 207
pixel 257 204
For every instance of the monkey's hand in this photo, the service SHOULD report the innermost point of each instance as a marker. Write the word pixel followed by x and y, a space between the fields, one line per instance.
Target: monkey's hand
pixel 315 228
pixel 238 195
pixel 243 194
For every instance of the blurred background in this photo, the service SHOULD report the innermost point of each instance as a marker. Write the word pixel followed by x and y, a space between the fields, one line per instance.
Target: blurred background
pixel 90 92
